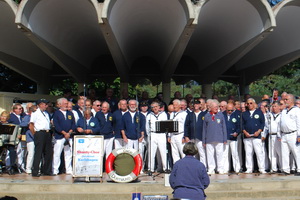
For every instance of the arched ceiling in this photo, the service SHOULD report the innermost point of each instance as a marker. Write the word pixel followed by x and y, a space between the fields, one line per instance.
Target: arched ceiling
pixel 154 39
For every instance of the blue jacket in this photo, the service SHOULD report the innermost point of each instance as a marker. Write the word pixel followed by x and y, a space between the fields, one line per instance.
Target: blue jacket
pixel 63 124
pixel 233 125
pixel 106 125
pixel 214 130
pixel 93 125
pixel 25 125
pixel 252 124
pixel 117 123
pixel 133 130
pixel 189 179
pixel 13 119
pixel 190 130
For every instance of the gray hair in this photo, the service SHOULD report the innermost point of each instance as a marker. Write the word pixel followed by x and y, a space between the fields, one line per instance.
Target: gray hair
pixel 60 100
pixel 190 149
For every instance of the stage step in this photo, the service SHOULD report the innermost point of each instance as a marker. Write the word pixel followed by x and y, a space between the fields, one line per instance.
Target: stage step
pixel 221 188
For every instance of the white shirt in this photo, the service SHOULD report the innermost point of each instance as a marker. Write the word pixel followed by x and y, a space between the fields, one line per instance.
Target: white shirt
pixel 64 113
pixel 180 117
pixel 151 120
pixel 290 120
pixel 197 114
pixel 40 120
pixel 132 115
pixel 76 116
pixel 94 112
pixel 274 123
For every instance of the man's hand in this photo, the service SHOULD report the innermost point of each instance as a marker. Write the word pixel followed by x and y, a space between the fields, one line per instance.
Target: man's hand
pixel 67 135
pixel 141 138
pixel 263 138
pixel 125 139
pixel 187 139
pixel 256 133
pixel 169 139
pixel 80 130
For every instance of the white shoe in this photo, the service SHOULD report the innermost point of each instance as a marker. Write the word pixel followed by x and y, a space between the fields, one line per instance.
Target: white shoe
pixel 221 172
pixel 210 173
pixel 263 172
pixel 248 172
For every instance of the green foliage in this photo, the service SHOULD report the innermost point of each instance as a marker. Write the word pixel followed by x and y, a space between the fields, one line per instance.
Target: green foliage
pixel 285 79
pixel 223 88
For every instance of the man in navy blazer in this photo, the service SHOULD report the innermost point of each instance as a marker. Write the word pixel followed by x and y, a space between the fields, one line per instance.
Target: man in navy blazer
pixel 193 128
pixel 233 122
pixel 64 123
pixel 88 125
pixel 106 127
pixel 14 118
pixel 133 126
pixel 118 123
pixel 253 125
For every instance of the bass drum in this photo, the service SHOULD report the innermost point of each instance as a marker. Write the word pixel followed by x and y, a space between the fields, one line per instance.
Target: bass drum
pixel 123 165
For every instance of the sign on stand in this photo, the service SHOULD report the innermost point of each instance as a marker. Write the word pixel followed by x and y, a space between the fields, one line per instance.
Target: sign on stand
pixel 88 156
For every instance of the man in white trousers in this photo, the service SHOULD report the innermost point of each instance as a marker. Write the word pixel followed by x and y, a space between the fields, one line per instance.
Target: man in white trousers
pixel 64 123
pixel 290 134
pixel 176 139
pixel 214 138
pixel 157 140
pixel 253 125
pixel 233 123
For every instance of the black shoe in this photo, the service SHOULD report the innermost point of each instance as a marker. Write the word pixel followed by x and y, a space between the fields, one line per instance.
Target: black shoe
pixel 49 174
pixel 284 174
pixel 36 175
pixel 293 171
pixel 297 174
pixel 11 171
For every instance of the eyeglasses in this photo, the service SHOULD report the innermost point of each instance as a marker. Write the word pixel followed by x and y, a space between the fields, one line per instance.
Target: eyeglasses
pixel 285 99
pixel 98 105
pixel 249 103
pixel 230 110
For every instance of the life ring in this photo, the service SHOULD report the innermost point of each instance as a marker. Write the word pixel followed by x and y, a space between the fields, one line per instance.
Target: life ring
pixel 109 165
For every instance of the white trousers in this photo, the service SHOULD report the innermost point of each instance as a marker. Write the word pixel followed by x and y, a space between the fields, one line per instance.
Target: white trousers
pixel 265 155
pixel 108 145
pixel 157 141
pixel 119 143
pixel 231 152
pixel 30 154
pixel 212 149
pixel 20 155
pixel 142 147
pixel 57 149
pixel 254 145
pixel 176 147
pixel 201 151
pixel 274 153
pixel 288 144
pixel 134 144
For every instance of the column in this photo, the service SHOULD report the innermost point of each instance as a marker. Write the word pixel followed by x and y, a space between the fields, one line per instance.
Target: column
pixel 166 89
pixel 207 90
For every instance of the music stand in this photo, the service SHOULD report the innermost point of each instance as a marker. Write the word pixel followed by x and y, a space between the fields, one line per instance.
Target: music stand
pixel 166 126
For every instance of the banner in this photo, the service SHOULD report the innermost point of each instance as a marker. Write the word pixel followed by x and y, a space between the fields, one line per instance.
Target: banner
pixel 88 156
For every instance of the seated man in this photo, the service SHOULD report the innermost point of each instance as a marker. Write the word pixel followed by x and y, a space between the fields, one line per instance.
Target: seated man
pixel 88 125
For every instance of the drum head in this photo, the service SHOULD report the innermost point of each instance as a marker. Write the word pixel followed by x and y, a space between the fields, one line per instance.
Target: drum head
pixel 124 164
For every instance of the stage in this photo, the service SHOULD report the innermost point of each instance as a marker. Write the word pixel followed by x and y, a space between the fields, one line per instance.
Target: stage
pixel 65 187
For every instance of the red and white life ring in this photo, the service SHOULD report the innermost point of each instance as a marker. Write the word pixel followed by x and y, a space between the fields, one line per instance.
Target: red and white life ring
pixel 109 165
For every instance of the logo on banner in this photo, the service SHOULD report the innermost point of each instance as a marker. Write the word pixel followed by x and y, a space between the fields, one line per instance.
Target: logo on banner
pixel 81 141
